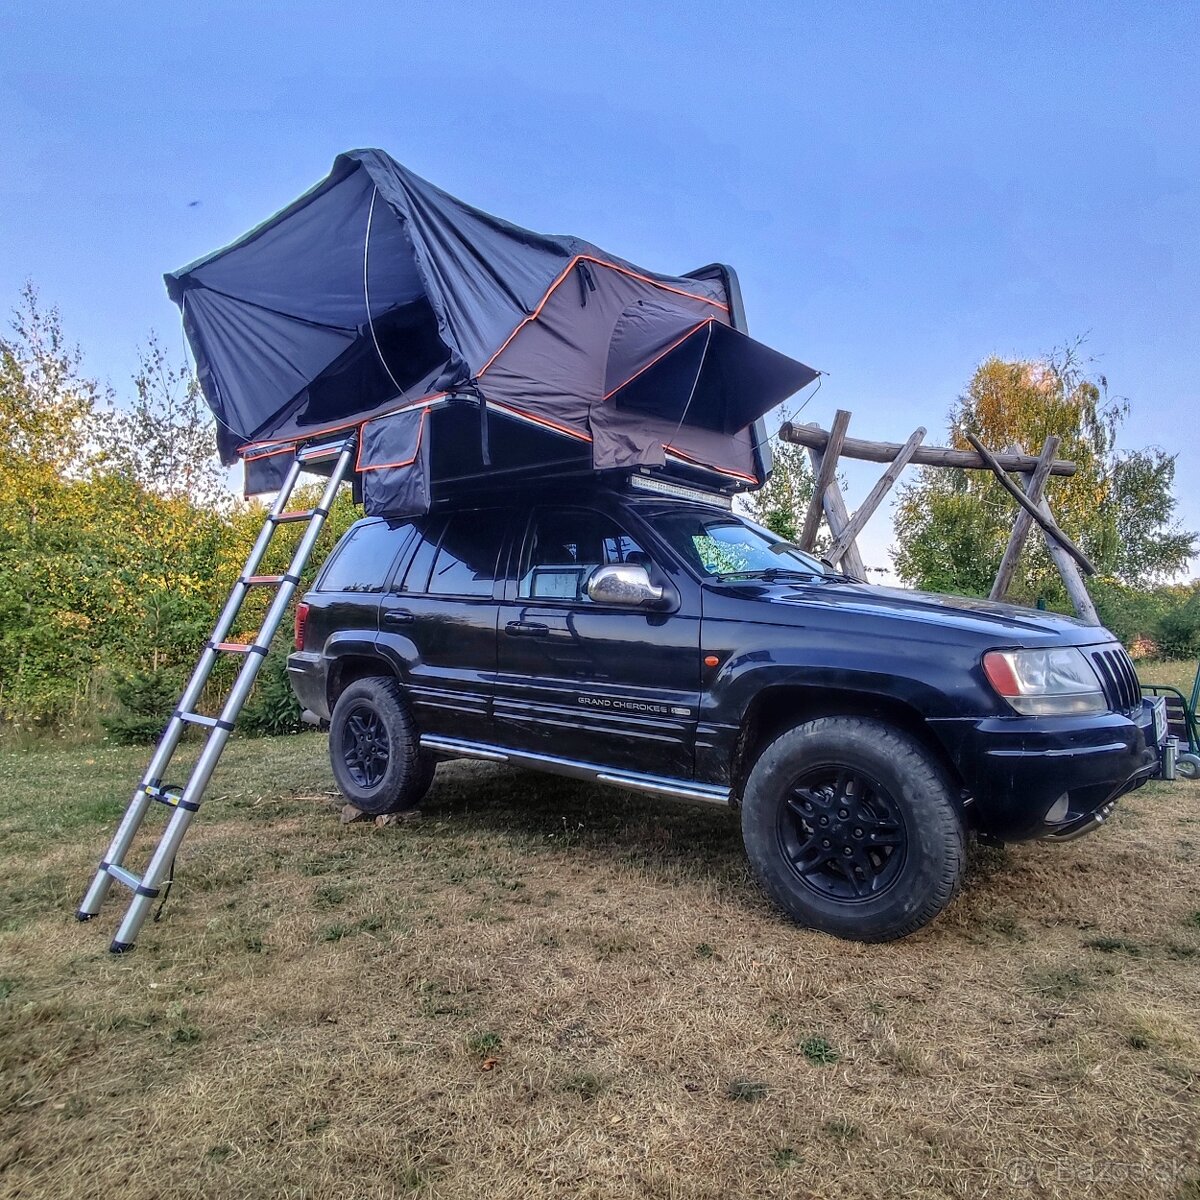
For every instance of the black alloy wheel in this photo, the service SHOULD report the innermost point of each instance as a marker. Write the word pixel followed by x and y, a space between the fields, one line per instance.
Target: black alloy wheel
pixel 375 748
pixel 365 749
pixel 854 827
pixel 842 833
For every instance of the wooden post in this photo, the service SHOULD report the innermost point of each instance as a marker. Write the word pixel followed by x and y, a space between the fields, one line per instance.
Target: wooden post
pixel 1040 513
pixel 1076 589
pixel 1035 483
pixel 838 518
pixel 826 474
pixel 887 481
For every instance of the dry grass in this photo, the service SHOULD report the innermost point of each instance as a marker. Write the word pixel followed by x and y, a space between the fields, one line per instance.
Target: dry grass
pixel 548 989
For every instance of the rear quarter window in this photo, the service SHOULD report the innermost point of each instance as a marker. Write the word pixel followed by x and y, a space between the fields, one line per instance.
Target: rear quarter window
pixel 362 560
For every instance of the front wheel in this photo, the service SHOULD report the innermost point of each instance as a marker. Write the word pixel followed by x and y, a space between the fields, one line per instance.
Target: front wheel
pixel 375 749
pixel 853 828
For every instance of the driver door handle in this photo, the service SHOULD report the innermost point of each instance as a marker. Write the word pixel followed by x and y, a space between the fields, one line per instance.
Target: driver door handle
pixel 526 629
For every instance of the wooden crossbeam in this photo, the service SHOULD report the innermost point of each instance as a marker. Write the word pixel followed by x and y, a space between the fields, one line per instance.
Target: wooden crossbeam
pixel 815 438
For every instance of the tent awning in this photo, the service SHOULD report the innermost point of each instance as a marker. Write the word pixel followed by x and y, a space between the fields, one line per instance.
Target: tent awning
pixel 665 364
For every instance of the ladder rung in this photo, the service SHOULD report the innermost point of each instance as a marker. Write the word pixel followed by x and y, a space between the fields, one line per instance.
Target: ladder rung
pixel 208 722
pixel 129 879
pixel 171 797
pixel 323 451
pixel 263 580
pixel 240 648
pixel 298 514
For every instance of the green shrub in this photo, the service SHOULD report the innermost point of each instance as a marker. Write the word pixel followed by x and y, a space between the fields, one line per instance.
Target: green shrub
pixel 1179 629
pixel 1166 618
pixel 146 699
pixel 272 707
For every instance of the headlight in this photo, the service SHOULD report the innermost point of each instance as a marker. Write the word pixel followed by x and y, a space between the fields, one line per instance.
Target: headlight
pixel 1045 683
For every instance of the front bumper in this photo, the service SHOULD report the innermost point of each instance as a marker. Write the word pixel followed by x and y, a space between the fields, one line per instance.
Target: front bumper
pixel 1016 768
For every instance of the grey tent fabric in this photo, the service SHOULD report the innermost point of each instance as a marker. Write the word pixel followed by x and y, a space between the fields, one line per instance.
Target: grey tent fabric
pixel 664 363
pixel 376 293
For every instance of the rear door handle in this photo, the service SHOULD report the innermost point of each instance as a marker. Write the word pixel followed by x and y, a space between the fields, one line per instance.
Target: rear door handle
pixel 397 616
pixel 526 629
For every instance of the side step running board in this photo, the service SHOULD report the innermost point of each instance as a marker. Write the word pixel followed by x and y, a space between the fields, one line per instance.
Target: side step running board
pixel 657 785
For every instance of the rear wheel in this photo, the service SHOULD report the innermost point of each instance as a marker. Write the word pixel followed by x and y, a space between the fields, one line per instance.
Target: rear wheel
pixel 375 749
pixel 852 827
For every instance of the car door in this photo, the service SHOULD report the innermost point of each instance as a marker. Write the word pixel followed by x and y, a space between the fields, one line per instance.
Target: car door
pixel 614 686
pixel 437 622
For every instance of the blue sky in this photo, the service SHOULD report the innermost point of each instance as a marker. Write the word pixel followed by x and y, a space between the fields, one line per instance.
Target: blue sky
pixel 903 188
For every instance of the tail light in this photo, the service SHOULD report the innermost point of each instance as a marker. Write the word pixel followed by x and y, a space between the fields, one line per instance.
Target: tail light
pixel 301 621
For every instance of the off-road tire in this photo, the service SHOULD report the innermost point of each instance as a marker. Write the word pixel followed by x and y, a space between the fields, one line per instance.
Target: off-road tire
pixel 909 783
pixel 399 774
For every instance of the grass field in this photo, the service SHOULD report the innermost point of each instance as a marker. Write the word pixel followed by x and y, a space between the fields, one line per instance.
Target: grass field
pixel 1178 674
pixel 550 989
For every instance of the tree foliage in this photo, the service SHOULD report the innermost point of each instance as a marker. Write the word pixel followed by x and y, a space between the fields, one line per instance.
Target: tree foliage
pixel 165 440
pixel 118 539
pixel 781 502
pixel 952 526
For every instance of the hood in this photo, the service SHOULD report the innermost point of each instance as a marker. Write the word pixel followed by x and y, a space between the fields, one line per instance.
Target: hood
pixel 1002 624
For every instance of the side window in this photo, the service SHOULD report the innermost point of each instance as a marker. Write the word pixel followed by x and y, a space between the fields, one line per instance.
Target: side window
pixel 416 578
pixel 364 557
pixel 565 547
pixel 466 559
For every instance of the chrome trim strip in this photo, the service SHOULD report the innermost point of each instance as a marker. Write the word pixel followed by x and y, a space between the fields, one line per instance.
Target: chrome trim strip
pixel 462 749
pixel 667 787
pixel 1063 752
pixel 653 784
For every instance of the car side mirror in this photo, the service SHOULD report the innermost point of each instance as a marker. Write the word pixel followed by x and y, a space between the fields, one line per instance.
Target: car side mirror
pixel 626 584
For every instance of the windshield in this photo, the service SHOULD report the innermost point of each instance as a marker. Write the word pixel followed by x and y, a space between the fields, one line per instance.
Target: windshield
pixel 726 547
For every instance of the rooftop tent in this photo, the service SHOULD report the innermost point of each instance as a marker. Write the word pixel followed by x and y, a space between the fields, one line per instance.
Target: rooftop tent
pixel 460 346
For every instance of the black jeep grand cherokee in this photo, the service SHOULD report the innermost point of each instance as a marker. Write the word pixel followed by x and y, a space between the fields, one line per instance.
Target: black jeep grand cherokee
pixel 670 646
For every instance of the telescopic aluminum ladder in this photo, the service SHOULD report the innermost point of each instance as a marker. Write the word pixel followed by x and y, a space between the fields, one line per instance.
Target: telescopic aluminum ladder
pixel 184 801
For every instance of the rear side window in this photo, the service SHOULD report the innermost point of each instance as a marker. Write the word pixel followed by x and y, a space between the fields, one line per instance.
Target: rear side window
pixel 416 578
pixel 466 559
pixel 364 557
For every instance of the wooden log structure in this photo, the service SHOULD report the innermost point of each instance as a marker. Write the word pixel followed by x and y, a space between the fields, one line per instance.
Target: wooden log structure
pixel 826 447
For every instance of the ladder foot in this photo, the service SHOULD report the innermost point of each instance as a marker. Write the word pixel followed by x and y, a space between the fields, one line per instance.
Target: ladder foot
pixel 120 947
pixel 85 916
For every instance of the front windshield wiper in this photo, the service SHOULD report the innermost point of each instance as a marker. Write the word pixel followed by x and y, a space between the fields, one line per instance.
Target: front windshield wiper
pixel 770 573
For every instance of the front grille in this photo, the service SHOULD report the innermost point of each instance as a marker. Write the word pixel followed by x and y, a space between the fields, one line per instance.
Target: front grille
pixel 1118 677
